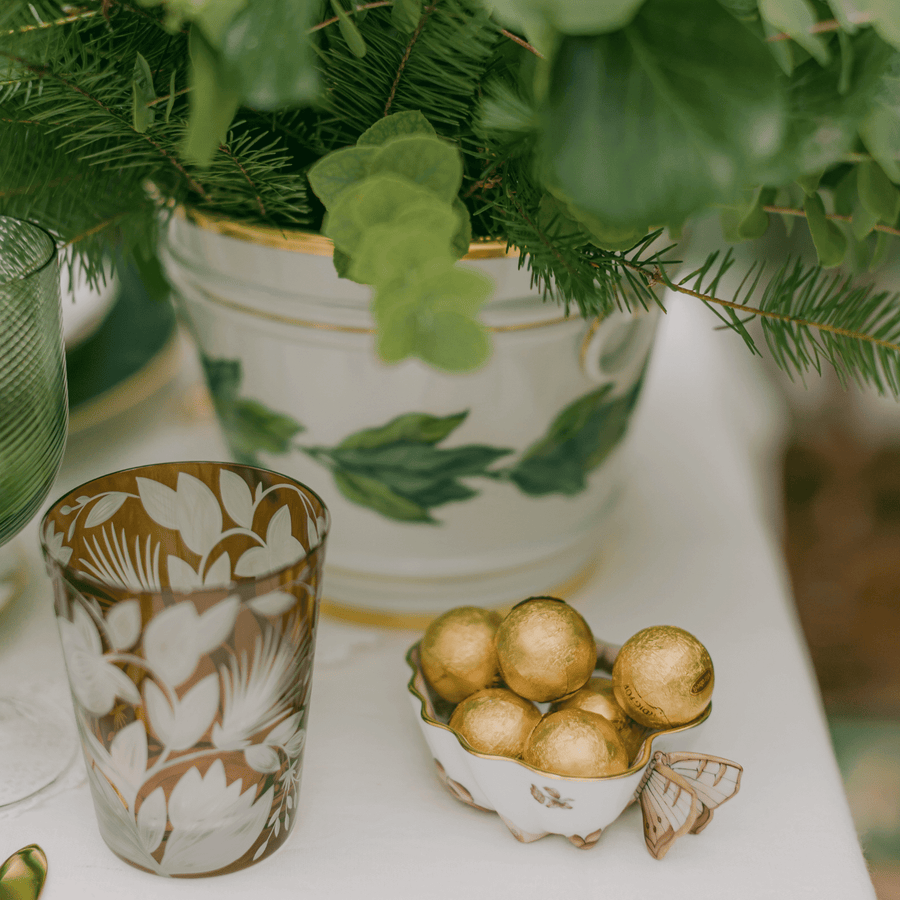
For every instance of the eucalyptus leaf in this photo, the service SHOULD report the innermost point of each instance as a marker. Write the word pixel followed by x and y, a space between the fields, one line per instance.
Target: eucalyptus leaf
pixel 462 237
pixel 395 125
pixel 214 99
pixel 674 117
pixel 877 194
pixel 375 200
pixel 425 160
pixel 431 316
pixel 828 239
pixel 387 252
pixel 266 48
pixel 336 171
pixel 142 93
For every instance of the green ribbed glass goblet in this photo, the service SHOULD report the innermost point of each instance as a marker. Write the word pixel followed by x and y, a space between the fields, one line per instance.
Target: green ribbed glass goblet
pixel 33 421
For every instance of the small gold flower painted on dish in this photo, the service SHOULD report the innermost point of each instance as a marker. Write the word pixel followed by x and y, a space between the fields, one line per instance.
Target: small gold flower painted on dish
pixel 576 743
pixel 495 721
pixel 545 649
pixel 458 654
pixel 663 677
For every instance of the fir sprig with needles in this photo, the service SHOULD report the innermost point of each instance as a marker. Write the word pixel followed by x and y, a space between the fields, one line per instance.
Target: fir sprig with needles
pixel 581 131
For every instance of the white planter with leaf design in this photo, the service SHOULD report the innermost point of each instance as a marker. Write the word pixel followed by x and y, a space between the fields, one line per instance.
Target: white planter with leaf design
pixel 444 488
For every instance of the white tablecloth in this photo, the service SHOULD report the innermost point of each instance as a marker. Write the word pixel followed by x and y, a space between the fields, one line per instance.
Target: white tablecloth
pixel 697 546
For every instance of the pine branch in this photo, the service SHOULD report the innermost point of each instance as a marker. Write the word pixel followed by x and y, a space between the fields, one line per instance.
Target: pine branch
pixel 808 318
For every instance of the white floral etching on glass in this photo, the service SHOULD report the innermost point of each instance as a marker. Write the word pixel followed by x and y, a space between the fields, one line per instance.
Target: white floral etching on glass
pixel 193 739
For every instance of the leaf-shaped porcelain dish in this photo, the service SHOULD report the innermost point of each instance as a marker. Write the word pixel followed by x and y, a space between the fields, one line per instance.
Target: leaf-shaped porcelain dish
pixel 530 802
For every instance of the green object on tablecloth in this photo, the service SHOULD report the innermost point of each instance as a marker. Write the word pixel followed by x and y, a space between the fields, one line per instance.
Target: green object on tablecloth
pixel 137 328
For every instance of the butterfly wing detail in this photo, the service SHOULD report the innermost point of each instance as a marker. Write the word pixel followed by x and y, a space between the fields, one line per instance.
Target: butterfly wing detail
pixel 678 793
pixel 669 805
pixel 713 779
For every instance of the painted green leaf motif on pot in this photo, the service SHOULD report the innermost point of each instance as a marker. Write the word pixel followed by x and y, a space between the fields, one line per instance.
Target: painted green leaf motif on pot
pixel 398 469
pixel 578 440
pixel 249 426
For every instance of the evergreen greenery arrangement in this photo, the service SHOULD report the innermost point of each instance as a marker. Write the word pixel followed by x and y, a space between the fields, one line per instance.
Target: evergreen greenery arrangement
pixel 574 131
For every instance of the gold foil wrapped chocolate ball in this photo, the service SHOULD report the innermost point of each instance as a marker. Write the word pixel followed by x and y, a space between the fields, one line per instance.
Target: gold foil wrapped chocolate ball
pixel 495 721
pixel 576 743
pixel 663 677
pixel 458 653
pixel 597 696
pixel 545 649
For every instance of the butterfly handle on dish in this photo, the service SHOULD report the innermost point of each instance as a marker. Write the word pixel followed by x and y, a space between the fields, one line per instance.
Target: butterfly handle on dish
pixel 678 793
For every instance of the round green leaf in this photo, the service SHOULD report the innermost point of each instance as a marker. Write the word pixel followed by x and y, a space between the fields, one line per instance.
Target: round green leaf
pixel 425 160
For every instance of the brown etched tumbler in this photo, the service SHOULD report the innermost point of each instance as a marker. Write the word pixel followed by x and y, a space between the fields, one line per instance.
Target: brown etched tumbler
pixel 187 598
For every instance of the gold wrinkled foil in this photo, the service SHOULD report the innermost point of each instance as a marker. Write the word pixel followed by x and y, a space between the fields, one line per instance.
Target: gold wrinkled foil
pixel 576 743
pixel 545 649
pixel 597 696
pixel 663 677
pixel 495 721
pixel 458 653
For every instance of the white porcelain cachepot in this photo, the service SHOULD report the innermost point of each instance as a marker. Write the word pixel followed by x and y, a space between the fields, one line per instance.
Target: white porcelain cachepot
pixel 479 488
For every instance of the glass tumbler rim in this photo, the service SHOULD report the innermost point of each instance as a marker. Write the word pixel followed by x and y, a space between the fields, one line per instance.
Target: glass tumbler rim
pixel 94 582
pixel 38 265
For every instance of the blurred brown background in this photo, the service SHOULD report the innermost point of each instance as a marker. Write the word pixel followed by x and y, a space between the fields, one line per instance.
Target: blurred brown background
pixel 842 544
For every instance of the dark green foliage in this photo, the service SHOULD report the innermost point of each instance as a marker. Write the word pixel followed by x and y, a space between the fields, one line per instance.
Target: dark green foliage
pixel 665 108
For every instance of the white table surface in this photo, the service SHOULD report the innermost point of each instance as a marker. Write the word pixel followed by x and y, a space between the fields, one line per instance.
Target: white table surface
pixel 697 546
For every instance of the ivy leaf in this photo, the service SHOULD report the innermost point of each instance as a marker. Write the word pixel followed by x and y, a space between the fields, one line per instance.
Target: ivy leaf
pixel 214 99
pixel 674 116
pixel 796 18
pixel 331 175
pixel 876 193
pixel 427 161
pixel 266 48
pixel 577 441
pixel 828 239
pixel 142 93
pixel 405 15
pixel 395 125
